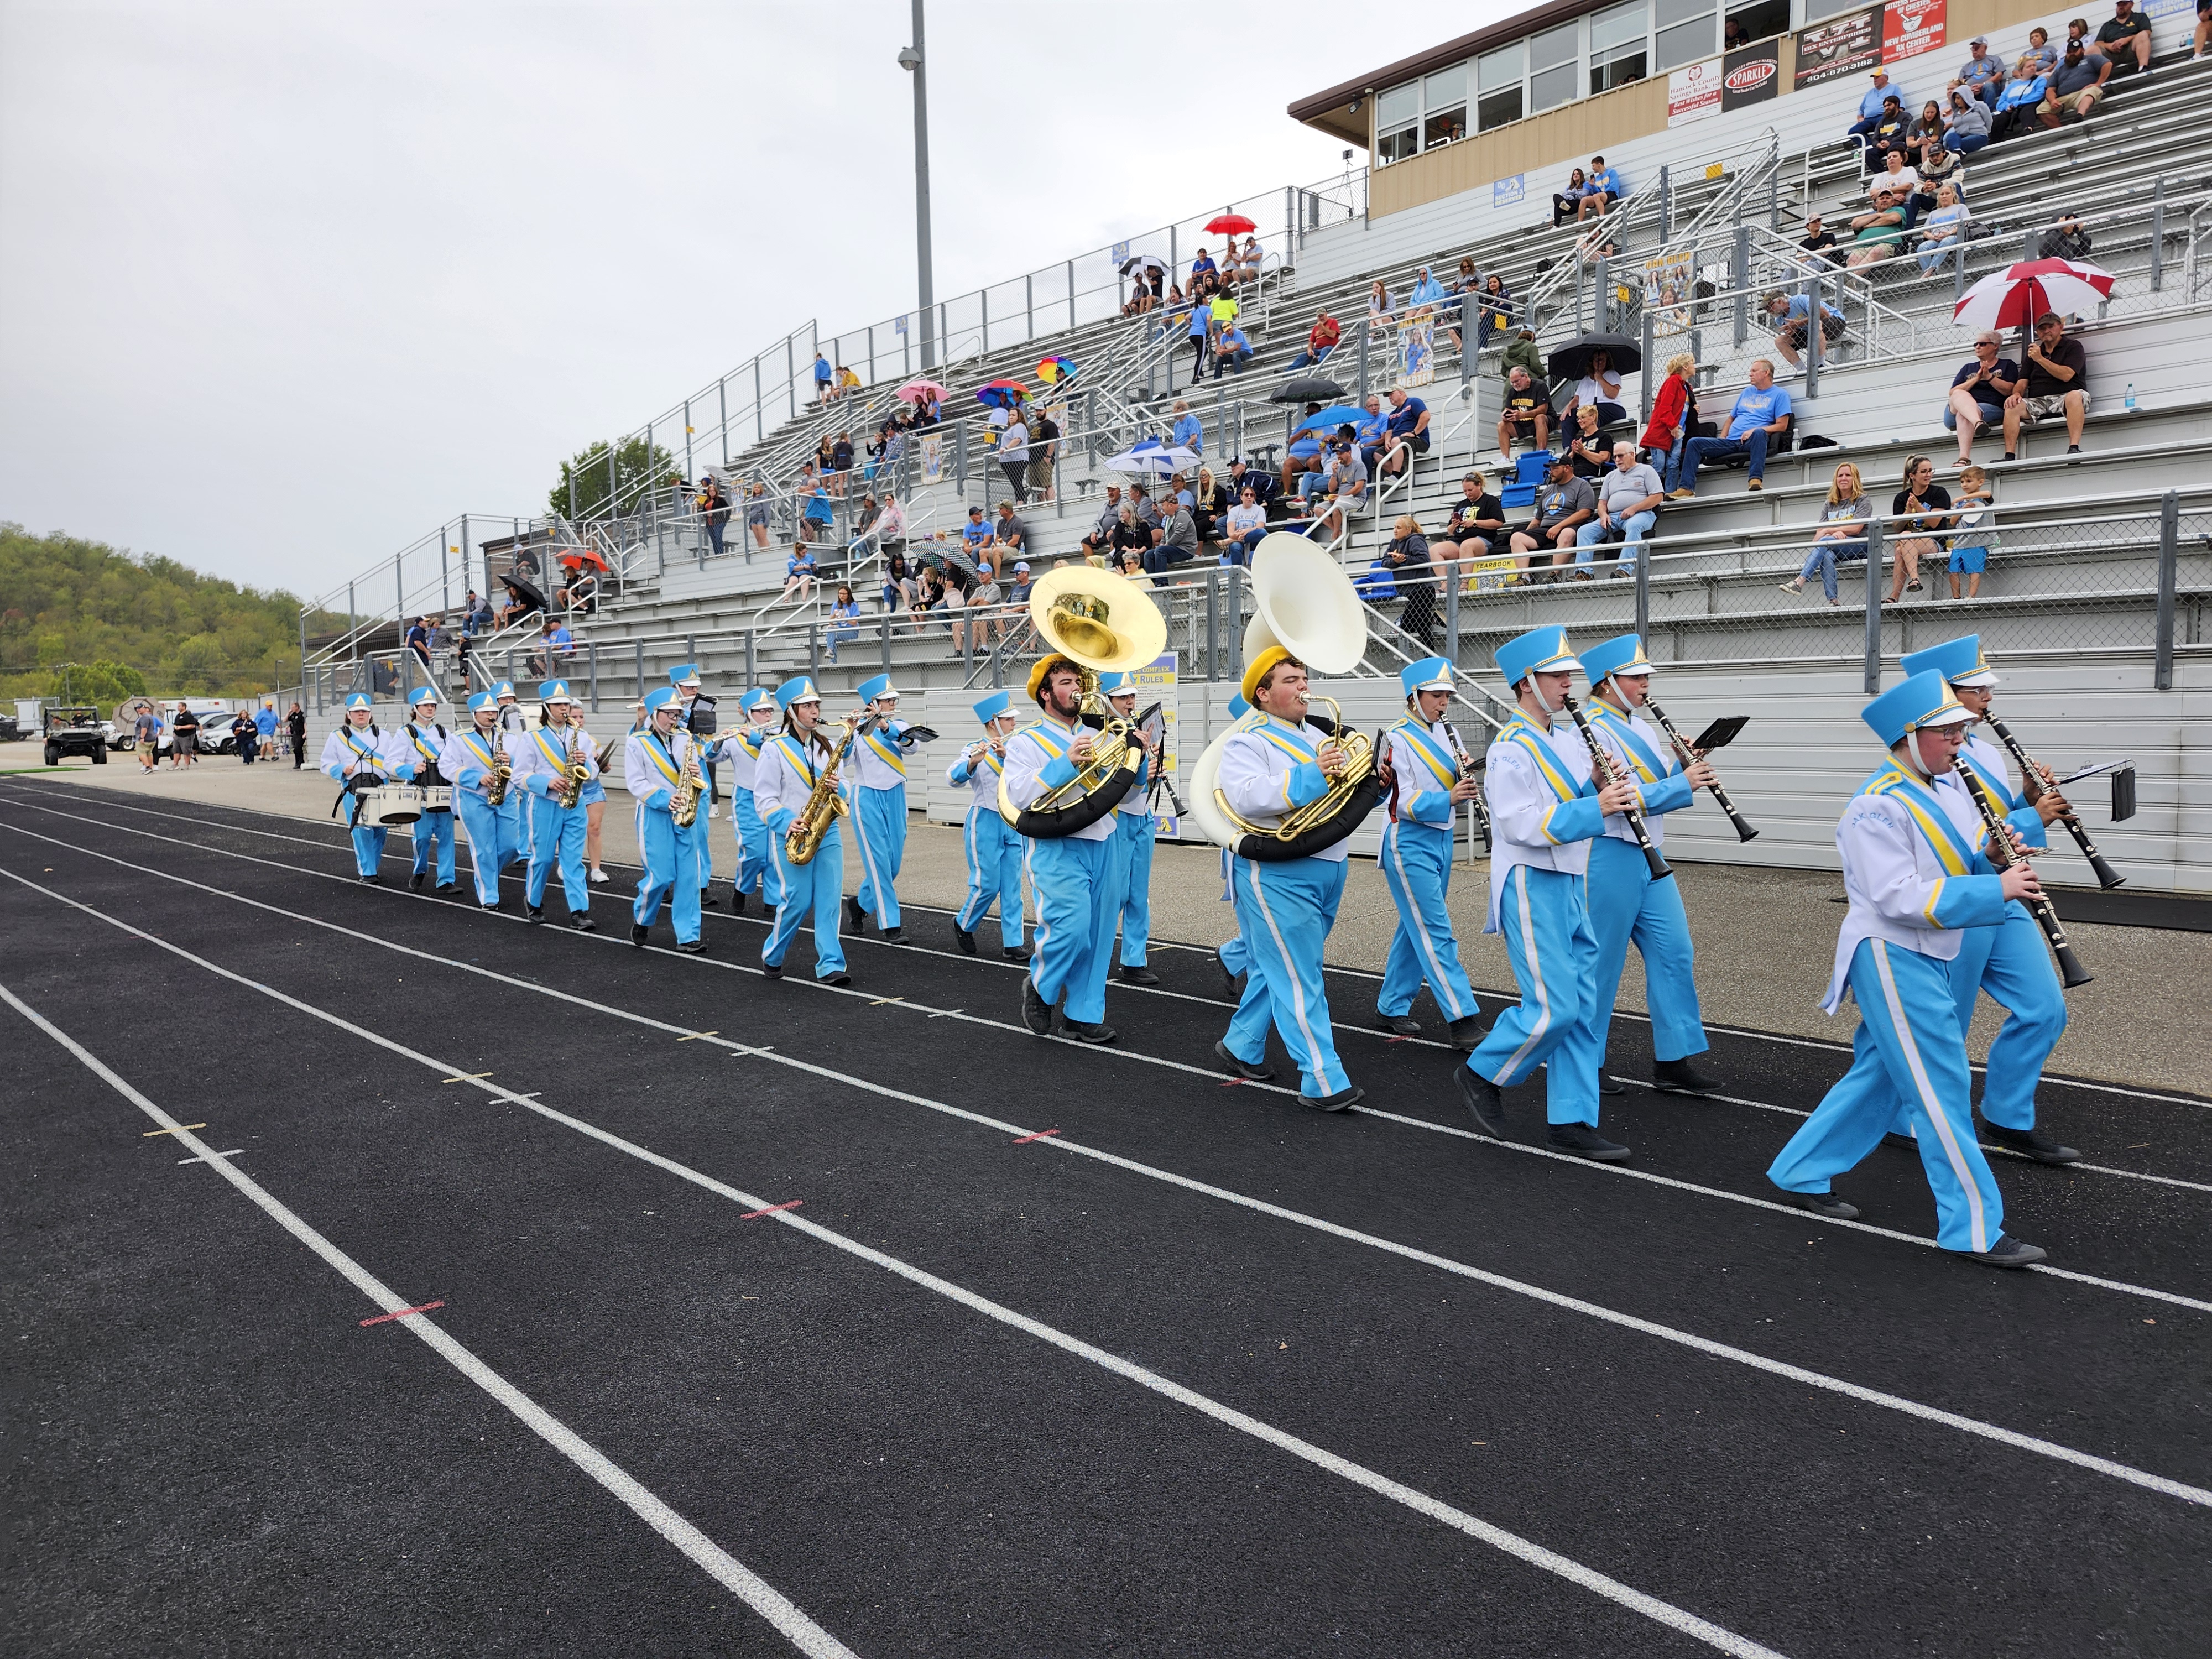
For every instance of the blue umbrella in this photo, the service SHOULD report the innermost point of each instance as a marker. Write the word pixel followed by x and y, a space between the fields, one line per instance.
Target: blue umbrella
pixel 1330 419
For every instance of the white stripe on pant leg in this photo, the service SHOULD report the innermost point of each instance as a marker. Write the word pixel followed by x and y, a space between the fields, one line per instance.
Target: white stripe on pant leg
pixel 875 881
pixel 1290 973
pixel 1934 1107
pixel 733 1575
pixel 1438 983
pixel 1535 978
pixel 980 889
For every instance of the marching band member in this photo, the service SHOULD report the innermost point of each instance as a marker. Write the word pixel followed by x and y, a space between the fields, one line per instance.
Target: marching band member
pixel 654 763
pixel 424 741
pixel 994 851
pixel 541 766
pixel 514 811
pixel 468 762
pixel 2011 963
pixel 1545 811
pixel 783 778
pixel 1918 883
pixel 1625 902
pixel 876 790
pixel 1232 958
pixel 1417 859
pixel 359 758
pixel 1073 876
pixel 1268 767
pixel 695 715
pixel 1132 822
pixel 742 749
pixel 593 801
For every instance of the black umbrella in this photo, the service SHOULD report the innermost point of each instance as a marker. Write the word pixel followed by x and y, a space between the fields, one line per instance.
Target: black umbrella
pixel 1306 391
pixel 1571 361
pixel 524 590
pixel 1142 262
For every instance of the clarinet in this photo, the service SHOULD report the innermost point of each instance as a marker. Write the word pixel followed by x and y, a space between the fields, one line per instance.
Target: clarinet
pixel 1602 766
pixel 1744 830
pixel 2029 771
pixel 2004 855
pixel 1474 802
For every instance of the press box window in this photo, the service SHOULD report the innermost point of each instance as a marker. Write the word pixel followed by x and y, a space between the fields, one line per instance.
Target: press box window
pixel 1554 69
pixel 1498 87
pixel 1756 21
pixel 1618 46
pixel 1686 33
pixel 1443 106
pixel 1397 124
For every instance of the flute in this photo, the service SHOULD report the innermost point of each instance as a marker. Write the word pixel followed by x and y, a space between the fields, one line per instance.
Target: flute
pixel 1744 830
pixel 1601 766
pixel 2031 771
pixel 2004 855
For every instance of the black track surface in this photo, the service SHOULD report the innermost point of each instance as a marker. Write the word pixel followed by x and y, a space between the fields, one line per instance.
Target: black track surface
pixel 210 1454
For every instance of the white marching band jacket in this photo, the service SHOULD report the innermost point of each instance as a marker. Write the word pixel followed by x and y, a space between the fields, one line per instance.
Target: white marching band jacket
pixel 1423 769
pixel 466 764
pixel 1269 766
pixel 879 756
pixel 1037 759
pixel 530 759
pixel 1534 782
pixel 652 765
pixel 1646 760
pixel 784 777
pixel 978 770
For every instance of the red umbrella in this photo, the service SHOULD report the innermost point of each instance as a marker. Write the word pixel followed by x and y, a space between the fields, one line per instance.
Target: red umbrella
pixel 1231 224
pixel 578 561
pixel 2017 296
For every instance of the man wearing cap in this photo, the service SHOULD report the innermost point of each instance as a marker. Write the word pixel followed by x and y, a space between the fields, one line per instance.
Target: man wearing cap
pixel 877 789
pixel 1132 826
pixel 654 763
pixel 1870 103
pixel 1625 902
pixel 1545 809
pixel 993 849
pixel 1270 767
pixel 470 754
pixel 1072 876
pixel 424 741
pixel 2010 961
pixel 1416 857
pixel 784 777
pixel 541 767
pixel 1981 76
pixel 360 757
pixel 1918 883
pixel 741 749
pixel 696 714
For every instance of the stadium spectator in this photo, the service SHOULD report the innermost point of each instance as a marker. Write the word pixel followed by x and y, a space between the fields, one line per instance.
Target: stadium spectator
pixel 1925 134
pixel 1789 316
pixel 1199 329
pixel 418 642
pixel 146 738
pixel 1044 449
pixel 1176 542
pixel 1564 505
pixel 184 738
pixel 799 573
pixel 847 381
pixel 244 740
pixel 839 473
pixel 1372 428
pixel 900 586
pixel 295 730
pixel 2124 40
pixel 1209 505
pixel 1247 523
pixel 1132 540
pixel 713 510
pixel 2041 57
pixel 844 620
pixel 756 515
pixel 977 532
pixel 1140 296
pixel 889 526
pixel 1203 265
pixel 1320 340
pixel 1527 412
pixel 1876 233
pixel 1672 412
pixel 2200 41
pixel 1008 530
pixel 1871 103
pixel 1243 477
pixel 554 642
pixel 1475 528
pixel 818 512
pixel 1187 433
pixel 2066 239
pixel 1978 392
pixel 1460 292
pixel 1944 230
pixel 1903 181
pixel 1018 590
pixel 1407 425
pixel 821 377
pixel 1496 309
pixel 1343 487
pixel 1759 415
pixel 1820 241
pixel 1223 309
pixel 264 728
pixel 1406 557
pixel 1178 493
pixel 519 604
pixel 1231 351
pixel 1921 507
pixel 1304 451
pixel 1589 455
pixel 1888 136
pixel 2076 86
pixel 1604 187
pixel 1244 265
pixel 1567 203
pixel 1966 130
pixel 1146 509
pixel 986 595
pixel 1521 349
pixel 2056 383
pixel 1600 386
pixel 1842 535
pixel 1628 501
pixel 1970 544
pixel 1014 454
pixel 1982 76
pixel 1102 531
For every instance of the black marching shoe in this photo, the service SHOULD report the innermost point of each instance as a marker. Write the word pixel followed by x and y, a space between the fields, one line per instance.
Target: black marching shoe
pixel 374 881
pixel 1015 953
pixel 1484 1099
pixel 582 923
pixel 489 909
pixel 415 882
pixel 1401 1024
pixel 1342 1100
pixel 2030 1143
pixel 737 904
pixel 1682 1076
pixel 1820 1203
pixel 537 914
pixel 855 917
pixel 964 940
pixel 2007 1252
pixel 1138 974
pixel 1467 1034
pixel 1227 979
pixel 841 977
pixel 691 947
pixel 1605 1084
pixel 771 970
pixel 894 936
pixel 1037 1014
pixel 1583 1140
pixel 1082 1033
pixel 446 889
pixel 707 901
pixel 638 934
pixel 1249 1071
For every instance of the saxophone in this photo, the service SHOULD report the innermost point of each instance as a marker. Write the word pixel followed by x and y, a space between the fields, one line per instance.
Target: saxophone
pixel 684 808
pixel 824 805
pixel 573 780
pixel 502 769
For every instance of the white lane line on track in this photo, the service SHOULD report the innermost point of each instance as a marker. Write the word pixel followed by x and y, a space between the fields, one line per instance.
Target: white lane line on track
pixel 1609 1171
pixel 696 1544
pixel 1497 1281
pixel 733 1574
pixel 1496 995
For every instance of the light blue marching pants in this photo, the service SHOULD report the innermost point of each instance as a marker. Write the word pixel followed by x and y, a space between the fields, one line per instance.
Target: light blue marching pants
pixel 1625 903
pixel 1908 1043
pixel 804 891
pixel 879 820
pixel 2012 965
pixel 1077 898
pixel 754 870
pixel 671 857
pixel 560 840
pixel 703 847
pixel 515 827
pixel 484 822
pixel 1286 910
pixel 1545 916
pixel 368 843
pixel 434 832
pixel 1417 861
pixel 994 874
pixel 1235 955
pixel 1134 831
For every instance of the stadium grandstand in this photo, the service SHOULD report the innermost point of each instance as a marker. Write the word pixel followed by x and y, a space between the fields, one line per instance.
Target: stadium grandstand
pixel 1658 180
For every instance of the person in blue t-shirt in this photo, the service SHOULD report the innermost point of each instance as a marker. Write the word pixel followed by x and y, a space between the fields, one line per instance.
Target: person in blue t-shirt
pixel 1760 415
pixel 1870 103
pixel 1371 429
pixel 1201 265
pixel 1231 351
pixel 977 532
pixel 821 376
pixel 1186 433
pixel 1604 188
pixel 1408 421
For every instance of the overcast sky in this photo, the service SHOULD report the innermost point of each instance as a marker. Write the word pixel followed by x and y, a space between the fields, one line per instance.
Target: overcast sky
pixel 281 287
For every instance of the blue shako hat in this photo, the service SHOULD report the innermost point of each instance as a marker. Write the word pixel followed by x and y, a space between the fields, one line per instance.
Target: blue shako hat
pixel 1623 654
pixel 993 706
pixel 1924 699
pixel 879 686
pixel 658 698
pixel 359 699
pixel 798 689
pixel 1542 649
pixel 1960 661
pixel 1430 674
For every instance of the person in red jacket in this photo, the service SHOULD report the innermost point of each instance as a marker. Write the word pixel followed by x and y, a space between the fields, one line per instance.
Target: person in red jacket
pixel 1320 340
pixel 1673 412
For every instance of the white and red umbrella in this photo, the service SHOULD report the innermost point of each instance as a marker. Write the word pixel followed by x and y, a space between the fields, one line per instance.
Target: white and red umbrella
pixel 2017 296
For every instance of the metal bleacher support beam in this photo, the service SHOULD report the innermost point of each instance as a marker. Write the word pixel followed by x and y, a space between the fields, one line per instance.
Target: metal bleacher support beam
pixel 1872 683
pixel 2169 557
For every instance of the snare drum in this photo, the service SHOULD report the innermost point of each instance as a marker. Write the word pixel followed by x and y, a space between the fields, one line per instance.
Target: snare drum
pixel 438 798
pixel 392 803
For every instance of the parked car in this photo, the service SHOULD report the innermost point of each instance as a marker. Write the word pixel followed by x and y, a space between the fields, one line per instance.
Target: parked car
pixel 75 731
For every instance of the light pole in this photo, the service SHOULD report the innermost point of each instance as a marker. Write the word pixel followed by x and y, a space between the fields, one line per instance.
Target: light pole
pixel 911 60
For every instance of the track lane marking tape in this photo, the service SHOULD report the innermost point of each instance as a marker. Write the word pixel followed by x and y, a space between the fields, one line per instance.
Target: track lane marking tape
pixel 1042 1135
pixel 1707 1345
pixel 464 1076
pixel 399 1312
pixel 733 1575
pixel 150 1133
pixel 754 1215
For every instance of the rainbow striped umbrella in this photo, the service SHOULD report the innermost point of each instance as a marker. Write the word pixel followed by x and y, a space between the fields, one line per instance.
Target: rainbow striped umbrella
pixel 1052 370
